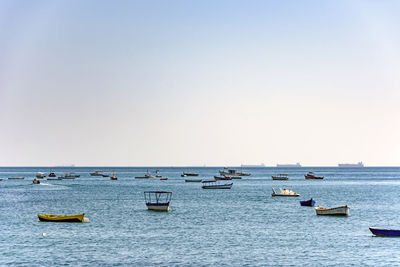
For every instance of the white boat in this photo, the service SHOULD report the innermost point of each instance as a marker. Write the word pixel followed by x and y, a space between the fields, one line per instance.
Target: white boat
pixel 40 175
pixel 339 211
pixel 157 200
pixel 284 193
pixel 97 173
pixel 281 176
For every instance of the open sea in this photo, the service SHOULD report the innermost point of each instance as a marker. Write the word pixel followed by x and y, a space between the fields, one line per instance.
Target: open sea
pixel 243 226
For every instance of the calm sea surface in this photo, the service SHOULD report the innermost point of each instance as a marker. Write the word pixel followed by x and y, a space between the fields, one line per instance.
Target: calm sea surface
pixel 243 226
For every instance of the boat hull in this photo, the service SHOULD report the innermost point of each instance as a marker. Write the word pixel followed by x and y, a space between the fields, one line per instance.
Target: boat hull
pixel 158 207
pixel 337 211
pixel 61 218
pixel 193 180
pixel 279 178
pixel 310 177
pixel 219 186
pixel 307 203
pixel 285 195
pixel 384 232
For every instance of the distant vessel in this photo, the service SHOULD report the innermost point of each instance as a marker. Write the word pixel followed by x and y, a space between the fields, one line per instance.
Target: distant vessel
pixel 253 166
pixel 348 165
pixel 288 165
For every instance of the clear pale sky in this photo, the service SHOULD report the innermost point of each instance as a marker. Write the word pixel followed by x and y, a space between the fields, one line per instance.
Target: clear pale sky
pixel 135 83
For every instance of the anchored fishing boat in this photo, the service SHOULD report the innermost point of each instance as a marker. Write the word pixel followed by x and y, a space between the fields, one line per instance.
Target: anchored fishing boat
pixel 70 175
pixel 284 193
pixel 97 173
pixel 384 232
pixel 62 218
pixel 184 174
pixel 311 175
pixel 222 178
pixel 280 176
pixel 40 175
pixel 308 203
pixel 113 176
pixel 214 185
pixel 157 200
pixel 337 211
pixel 193 180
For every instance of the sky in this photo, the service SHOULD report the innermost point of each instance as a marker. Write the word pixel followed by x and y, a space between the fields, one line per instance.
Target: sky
pixel 193 83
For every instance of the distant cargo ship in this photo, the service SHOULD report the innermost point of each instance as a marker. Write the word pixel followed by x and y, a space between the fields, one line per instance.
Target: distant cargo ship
pixel 288 165
pixel 347 165
pixel 253 166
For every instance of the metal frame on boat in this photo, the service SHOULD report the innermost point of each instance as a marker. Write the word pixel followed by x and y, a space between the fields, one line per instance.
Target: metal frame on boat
pixel 157 200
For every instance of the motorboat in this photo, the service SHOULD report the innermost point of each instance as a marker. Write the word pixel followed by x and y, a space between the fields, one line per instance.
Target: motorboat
pixel 308 203
pixel 193 180
pixel 163 178
pixel 62 218
pixel 337 211
pixel 113 176
pixel 384 232
pixel 184 174
pixel 40 175
pixel 284 193
pixel 214 185
pixel 280 176
pixel 97 173
pixel 157 200
pixel 35 181
pixel 158 174
pixel 52 174
pixel 243 173
pixel 311 175
pixel 70 175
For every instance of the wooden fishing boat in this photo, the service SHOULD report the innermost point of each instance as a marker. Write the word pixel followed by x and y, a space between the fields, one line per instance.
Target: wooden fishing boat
pixel 311 175
pixel 284 193
pixel 308 203
pixel 337 211
pixel 222 178
pixel 62 218
pixel 384 232
pixel 193 180
pixel 163 178
pixel 281 176
pixel 184 174
pixel 157 200
pixel 113 176
pixel 214 185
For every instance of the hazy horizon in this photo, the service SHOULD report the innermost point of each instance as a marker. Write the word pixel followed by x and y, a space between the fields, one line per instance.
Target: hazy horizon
pixel 161 83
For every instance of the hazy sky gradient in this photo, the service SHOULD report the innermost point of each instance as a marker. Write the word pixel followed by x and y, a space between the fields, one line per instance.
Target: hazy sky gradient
pixel 199 82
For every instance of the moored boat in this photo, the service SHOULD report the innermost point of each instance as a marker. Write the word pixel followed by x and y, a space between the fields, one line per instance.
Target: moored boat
pixel 70 175
pixel 97 173
pixel 193 180
pixel 311 175
pixel 184 174
pixel 52 174
pixel 40 175
pixel 284 193
pixel 113 176
pixel 157 200
pixel 16 178
pixel 308 203
pixel 62 218
pixel 384 232
pixel 280 176
pixel 163 178
pixel 222 178
pixel 214 185
pixel 337 211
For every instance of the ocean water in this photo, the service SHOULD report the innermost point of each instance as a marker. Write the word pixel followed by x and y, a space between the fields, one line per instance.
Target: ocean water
pixel 243 226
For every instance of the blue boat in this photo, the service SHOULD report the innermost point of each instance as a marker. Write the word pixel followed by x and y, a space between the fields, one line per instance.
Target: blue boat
pixel 384 232
pixel 309 203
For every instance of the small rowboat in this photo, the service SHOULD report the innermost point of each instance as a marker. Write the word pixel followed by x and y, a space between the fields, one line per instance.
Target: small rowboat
pixel 284 193
pixel 214 185
pixel 62 218
pixel 337 211
pixel 308 203
pixel 16 178
pixel 222 178
pixel 163 178
pixel 281 177
pixel 384 232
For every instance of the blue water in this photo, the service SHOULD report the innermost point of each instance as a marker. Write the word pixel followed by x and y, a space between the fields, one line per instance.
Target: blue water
pixel 243 226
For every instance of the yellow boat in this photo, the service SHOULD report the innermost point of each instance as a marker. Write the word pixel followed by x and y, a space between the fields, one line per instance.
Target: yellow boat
pixel 63 218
